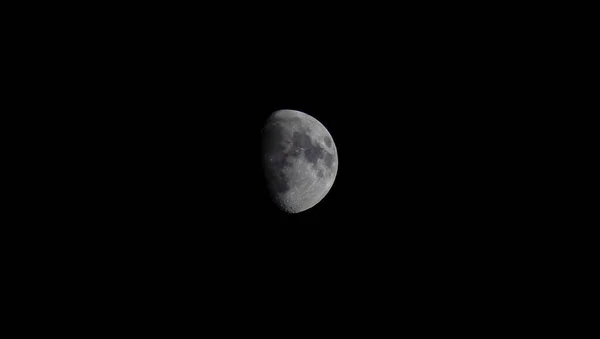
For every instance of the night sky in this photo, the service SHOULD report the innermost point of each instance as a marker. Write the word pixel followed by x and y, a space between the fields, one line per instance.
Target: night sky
pixel 418 158
pixel 424 119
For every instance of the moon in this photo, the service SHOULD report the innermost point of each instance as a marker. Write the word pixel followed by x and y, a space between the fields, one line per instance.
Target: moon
pixel 300 160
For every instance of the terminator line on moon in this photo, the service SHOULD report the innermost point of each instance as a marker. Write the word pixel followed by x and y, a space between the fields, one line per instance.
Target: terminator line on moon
pixel 299 158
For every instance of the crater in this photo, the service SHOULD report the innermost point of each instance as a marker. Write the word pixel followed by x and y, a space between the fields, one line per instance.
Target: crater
pixel 327 141
pixel 272 139
pixel 275 159
pixel 277 181
pixel 285 120
pixel 303 141
pixel 328 160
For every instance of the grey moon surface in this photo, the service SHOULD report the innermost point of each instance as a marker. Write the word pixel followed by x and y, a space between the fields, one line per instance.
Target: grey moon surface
pixel 300 160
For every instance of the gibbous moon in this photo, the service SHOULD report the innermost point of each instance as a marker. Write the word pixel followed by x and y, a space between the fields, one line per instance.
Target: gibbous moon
pixel 299 158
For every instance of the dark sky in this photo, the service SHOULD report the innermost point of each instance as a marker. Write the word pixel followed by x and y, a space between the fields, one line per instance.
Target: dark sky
pixel 416 115
pixel 152 202
pixel 417 152
pixel 423 117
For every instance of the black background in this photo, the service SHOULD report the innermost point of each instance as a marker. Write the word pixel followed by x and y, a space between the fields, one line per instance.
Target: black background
pixel 419 120
pixel 424 108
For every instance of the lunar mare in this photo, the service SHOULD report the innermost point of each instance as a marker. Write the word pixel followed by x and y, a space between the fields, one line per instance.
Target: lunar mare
pixel 300 160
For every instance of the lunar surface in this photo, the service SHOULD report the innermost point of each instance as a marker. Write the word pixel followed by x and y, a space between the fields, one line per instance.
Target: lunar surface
pixel 300 160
